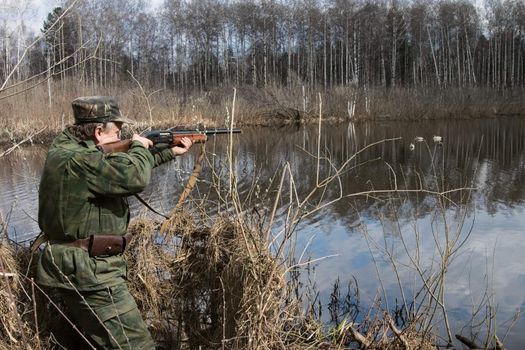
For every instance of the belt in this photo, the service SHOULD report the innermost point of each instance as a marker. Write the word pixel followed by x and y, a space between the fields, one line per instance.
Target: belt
pixel 99 245
pixel 82 243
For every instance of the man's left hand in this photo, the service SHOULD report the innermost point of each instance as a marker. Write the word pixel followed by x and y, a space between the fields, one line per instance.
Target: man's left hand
pixel 180 150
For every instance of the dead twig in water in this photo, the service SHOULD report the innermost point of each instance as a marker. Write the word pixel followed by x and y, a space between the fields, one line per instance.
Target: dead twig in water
pixel 15 146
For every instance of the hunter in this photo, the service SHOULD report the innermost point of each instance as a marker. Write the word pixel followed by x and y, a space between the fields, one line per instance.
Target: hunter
pixel 84 215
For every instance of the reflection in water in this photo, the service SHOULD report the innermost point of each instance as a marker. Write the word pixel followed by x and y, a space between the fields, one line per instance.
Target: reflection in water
pixel 19 179
pixel 486 154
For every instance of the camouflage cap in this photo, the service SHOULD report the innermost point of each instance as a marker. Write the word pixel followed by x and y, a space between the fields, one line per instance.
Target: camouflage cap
pixel 97 109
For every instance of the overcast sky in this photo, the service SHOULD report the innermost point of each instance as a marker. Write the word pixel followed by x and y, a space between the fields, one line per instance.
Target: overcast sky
pixel 43 8
pixel 31 12
pixel 36 11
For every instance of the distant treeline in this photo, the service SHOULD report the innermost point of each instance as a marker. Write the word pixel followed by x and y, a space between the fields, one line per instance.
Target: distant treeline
pixel 198 45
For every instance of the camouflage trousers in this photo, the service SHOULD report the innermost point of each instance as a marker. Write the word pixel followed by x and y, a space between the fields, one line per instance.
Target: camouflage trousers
pixel 109 318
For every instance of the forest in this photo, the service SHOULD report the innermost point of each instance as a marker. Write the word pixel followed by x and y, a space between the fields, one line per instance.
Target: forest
pixel 199 45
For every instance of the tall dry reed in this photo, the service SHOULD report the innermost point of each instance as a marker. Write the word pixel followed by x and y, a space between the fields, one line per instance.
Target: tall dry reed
pixel 28 112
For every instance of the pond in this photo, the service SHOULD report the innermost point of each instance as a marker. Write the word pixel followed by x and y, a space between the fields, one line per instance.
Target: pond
pixel 423 188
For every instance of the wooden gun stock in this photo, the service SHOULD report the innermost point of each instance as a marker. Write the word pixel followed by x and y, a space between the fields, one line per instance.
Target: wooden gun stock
pixel 118 146
pixel 195 138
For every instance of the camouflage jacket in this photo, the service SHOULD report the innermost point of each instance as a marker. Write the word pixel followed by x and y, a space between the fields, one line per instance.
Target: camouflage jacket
pixel 82 192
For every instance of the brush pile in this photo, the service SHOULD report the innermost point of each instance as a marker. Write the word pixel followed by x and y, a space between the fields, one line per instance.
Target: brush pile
pixel 207 286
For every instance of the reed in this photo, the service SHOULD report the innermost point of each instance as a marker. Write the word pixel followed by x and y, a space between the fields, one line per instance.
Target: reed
pixel 25 113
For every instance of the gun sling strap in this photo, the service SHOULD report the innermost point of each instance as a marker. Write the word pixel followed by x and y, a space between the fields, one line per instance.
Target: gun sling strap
pixel 141 200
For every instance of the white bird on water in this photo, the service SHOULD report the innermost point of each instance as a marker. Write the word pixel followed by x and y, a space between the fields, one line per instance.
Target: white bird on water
pixel 411 146
pixel 437 138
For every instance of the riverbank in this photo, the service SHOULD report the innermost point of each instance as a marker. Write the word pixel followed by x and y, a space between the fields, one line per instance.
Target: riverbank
pixel 33 117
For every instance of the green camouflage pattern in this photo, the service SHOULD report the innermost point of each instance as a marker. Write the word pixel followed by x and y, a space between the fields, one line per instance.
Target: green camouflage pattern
pixel 82 192
pixel 100 109
pixel 109 318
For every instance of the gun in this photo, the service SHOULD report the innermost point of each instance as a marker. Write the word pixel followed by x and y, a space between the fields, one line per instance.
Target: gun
pixel 171 137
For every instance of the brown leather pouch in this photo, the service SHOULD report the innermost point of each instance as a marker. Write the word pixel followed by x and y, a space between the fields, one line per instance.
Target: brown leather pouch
pixel 107 245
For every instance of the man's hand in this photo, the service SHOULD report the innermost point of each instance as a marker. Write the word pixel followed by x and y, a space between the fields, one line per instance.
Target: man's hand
pixel 180 150
pixel 145 141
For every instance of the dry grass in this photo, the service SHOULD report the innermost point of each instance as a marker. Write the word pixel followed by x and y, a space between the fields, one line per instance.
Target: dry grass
pixel 225 289
pixel 9 293
pixel 198 287
pixel 25 113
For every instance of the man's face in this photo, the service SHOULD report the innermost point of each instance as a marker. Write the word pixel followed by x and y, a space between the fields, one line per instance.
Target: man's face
pixel 109 134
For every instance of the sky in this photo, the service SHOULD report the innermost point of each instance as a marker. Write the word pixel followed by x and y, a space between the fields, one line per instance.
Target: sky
pixel 43 7
pixel 32 12
pixel 35 12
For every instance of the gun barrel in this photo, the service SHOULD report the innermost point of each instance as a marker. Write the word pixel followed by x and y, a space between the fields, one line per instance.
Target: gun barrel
pixel 207 131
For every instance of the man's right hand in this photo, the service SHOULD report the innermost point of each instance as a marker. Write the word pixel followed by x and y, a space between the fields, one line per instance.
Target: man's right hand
pixel 145 141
